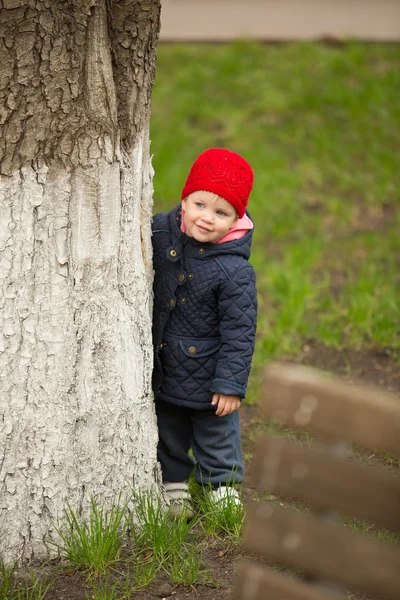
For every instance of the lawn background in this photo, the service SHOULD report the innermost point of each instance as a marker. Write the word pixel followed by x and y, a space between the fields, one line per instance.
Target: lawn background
pixel 320 124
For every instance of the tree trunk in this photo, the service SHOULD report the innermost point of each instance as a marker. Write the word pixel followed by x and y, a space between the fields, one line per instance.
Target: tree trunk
pixel 76 410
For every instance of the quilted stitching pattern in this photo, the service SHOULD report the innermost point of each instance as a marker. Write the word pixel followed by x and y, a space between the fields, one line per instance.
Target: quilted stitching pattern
pixel 237 313
pixel 198 314
pixel 216 300
pixel 187 376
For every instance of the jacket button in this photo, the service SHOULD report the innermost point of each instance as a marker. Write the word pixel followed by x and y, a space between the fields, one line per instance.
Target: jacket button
pixel 173 253
pixel 183 300
pixel 172 303
pixel 190 276
pixel 181 277
pixel 202 250
pixel 192 350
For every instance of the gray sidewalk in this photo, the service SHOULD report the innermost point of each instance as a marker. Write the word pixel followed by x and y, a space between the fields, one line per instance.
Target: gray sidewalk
pixel 219 20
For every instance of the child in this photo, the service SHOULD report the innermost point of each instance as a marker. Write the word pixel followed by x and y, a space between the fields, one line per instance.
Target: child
pixel 204 327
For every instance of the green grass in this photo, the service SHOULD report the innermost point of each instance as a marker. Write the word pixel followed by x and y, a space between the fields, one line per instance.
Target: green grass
pixel 6 581
pixel 224 518
pixel 171 545
pixel 93 543
pixel 154 543
pixel 30 588
pixel 104 590
pixel 35 589
pixel 154 531
pixel 371 530
pixel 186 568
pixel 320 127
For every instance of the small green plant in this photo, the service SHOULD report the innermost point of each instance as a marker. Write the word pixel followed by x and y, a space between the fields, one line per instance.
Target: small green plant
pixel 224 517
pixel 146 571
pixel 6 579
pixel 31 588
pixel 153 530
pixel 146 524
pixel 184 568
pixel 35 589
pixel 163 542
pixel 103 590
pixel 370 530
pixel 95 543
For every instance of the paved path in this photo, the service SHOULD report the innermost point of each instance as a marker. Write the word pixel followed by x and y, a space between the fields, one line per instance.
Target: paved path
pixel 220 20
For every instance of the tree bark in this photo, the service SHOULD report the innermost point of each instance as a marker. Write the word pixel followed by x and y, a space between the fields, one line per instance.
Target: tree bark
pixel 76 410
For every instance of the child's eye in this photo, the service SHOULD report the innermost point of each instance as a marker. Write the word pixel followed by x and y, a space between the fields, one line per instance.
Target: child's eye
pixel 221 212
pixel 199 204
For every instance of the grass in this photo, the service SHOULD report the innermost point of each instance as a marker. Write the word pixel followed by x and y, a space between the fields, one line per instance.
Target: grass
pixel 35 589
pixel 160 544
pixel 226 520
pixel 175 545
pixel 151 540
pixel 223 519
pixel 93 543
pixel 153 530
pixel 370 530
pixel 6 580
pixel 186 568
pixel 319 125
pixel 104 590
pixel 31 588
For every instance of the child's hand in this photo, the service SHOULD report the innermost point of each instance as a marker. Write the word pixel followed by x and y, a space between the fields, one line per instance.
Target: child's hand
pixel 226 404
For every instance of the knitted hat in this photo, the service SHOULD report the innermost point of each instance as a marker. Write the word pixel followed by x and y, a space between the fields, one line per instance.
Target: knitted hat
pixel 224 173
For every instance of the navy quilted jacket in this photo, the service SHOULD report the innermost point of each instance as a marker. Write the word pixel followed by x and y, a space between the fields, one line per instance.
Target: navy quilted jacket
pixel 205 310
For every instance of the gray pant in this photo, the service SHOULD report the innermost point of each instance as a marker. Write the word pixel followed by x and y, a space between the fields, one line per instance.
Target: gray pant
pixel 215 442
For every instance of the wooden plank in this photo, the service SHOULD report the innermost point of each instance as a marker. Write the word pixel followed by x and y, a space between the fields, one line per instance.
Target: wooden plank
pixel 328 482
pixel 256 583
pixel 323 550
pixel 304 399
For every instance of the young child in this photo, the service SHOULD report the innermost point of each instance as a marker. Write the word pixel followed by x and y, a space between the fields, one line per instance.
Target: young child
pixel 204 327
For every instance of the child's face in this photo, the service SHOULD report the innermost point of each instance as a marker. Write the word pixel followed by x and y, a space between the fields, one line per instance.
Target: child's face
pixel 208 217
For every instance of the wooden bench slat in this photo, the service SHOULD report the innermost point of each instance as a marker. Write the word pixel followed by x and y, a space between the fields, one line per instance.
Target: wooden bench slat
pixel 256 583
pixel 305 399
pixel 328 482
pixel 323 549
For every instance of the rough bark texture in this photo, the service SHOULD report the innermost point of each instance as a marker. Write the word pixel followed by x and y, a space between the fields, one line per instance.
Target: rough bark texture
pixel 76 411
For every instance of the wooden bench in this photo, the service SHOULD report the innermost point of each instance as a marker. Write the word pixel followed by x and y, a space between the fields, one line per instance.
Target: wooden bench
pixel 331 557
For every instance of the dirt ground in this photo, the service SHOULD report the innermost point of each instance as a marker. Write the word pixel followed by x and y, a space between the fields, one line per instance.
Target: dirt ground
pixel 371 367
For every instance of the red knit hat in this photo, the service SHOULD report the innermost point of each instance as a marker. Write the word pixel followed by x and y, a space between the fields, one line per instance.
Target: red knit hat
pixel 224 173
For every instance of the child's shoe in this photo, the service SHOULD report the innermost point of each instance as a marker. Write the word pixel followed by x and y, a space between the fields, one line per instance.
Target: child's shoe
pixel 227 495
pixel 179 499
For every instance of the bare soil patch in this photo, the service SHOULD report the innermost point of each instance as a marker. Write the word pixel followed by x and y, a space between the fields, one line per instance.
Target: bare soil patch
pixel 373 367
